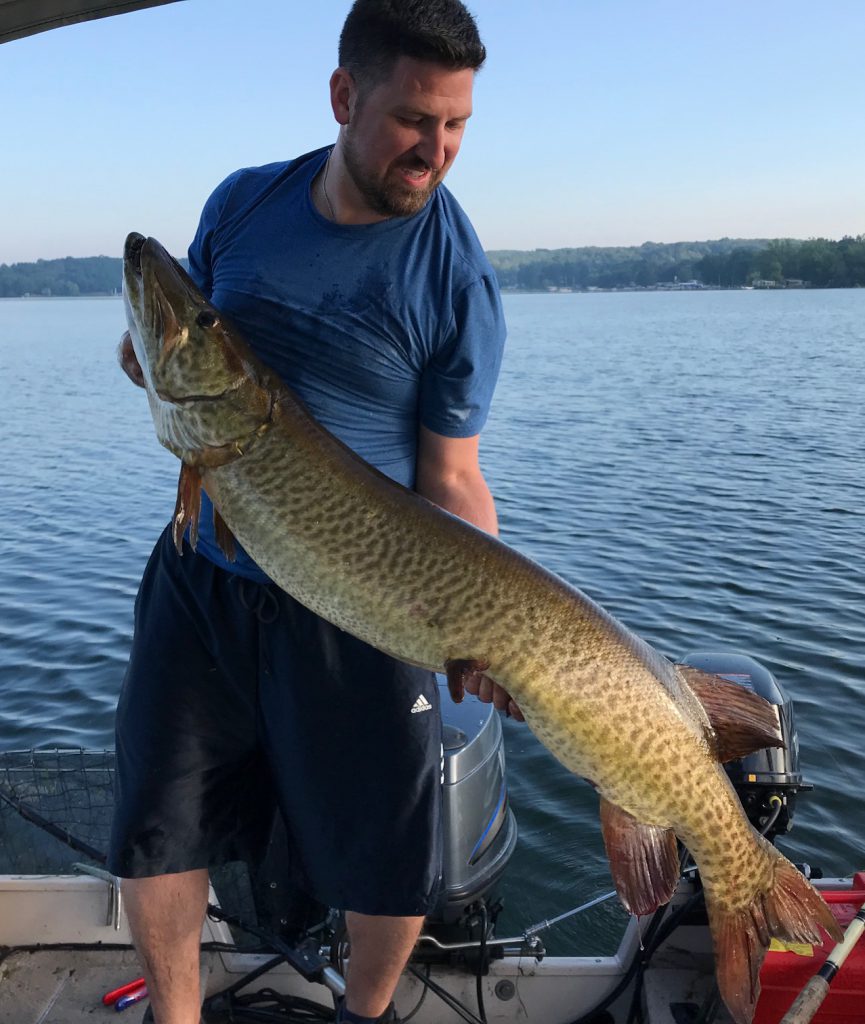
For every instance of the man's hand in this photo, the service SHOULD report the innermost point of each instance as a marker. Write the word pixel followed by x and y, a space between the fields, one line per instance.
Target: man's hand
pixel 489 692
pixel 128 363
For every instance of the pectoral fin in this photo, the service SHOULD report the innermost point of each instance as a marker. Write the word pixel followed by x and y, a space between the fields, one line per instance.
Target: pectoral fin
pixel 743 721
pixel 644 859
pixel 224 536
pixel 458 671
pixel 188 506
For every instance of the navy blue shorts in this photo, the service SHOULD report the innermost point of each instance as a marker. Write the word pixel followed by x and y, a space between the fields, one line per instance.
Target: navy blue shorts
pixel 237 697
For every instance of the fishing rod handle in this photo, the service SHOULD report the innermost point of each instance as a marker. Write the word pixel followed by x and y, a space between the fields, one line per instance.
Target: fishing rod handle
pixel 807 1003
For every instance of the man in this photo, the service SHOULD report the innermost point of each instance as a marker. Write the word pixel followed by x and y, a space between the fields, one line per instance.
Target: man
pixel 360 280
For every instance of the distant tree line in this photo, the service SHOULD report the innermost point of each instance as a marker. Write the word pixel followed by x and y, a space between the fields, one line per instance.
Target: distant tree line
pixel 724 263
pixel 91 275
pixel 816 263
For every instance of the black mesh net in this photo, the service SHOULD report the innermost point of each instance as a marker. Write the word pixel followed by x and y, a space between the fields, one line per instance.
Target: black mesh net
pixel 71 791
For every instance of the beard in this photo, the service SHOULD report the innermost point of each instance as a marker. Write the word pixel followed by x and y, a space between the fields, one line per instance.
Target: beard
pixel 389 198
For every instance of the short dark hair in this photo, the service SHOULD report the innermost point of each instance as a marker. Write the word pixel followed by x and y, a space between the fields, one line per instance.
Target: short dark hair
pixel 377 33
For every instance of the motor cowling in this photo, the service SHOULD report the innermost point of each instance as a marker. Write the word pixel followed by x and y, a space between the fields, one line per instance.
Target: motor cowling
pixel 479 828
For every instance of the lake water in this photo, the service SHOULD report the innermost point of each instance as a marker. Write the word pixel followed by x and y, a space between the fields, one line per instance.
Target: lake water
pixel 694 461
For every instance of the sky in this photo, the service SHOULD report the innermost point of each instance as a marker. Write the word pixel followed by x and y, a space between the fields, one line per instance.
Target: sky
pixel 596 122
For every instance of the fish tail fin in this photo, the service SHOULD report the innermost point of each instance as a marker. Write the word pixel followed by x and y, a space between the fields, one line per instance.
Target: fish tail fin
pixel 789 909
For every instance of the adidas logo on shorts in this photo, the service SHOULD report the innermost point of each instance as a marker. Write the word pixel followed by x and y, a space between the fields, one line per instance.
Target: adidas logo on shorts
pixel 421 704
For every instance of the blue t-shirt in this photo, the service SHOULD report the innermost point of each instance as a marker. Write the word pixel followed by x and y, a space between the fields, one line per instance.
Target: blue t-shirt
pixel 377 327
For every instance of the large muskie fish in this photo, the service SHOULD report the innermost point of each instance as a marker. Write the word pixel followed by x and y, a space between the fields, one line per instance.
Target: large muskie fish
pixel 395 570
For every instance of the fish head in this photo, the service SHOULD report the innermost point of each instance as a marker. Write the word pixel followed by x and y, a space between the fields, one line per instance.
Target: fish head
pixel 181 341
pixel 206 389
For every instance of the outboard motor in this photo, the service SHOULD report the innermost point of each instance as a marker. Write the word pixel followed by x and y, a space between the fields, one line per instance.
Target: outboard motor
pixel 480 831
pixel 773 771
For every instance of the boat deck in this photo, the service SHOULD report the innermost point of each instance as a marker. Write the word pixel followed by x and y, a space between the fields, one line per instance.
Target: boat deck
pixel 67 943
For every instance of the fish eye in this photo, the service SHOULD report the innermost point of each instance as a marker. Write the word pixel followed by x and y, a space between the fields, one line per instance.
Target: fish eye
pixel 206 319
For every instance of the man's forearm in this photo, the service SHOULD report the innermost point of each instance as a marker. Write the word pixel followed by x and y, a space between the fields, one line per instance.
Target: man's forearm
pixel 466 496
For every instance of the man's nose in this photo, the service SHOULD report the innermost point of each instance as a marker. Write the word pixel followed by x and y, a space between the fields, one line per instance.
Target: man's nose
pixel 432 148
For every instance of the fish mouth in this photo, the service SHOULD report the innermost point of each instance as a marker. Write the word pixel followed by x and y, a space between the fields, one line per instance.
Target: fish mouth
pixel 157 286
pixel 144 256
pixel 132 252
pixel 154 291
pixel 187 400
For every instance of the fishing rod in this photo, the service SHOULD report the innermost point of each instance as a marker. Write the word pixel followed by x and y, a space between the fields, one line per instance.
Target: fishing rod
pixel 808 1001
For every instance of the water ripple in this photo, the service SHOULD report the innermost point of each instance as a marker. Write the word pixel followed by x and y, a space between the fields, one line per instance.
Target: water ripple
pixel 693 462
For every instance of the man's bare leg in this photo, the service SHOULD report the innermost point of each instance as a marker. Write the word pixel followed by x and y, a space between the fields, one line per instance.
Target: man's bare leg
pixel 166 914
pixel 380 948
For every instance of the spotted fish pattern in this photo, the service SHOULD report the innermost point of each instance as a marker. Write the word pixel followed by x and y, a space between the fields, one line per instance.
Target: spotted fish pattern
pixel 386 565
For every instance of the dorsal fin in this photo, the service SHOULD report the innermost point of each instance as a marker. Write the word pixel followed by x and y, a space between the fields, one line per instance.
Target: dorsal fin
pixel 188 506
pixel 644 859
pixel 742 720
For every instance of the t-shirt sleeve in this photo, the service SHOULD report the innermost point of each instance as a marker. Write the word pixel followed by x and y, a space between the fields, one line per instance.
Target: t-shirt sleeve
pixel 201 250
pixel 458 382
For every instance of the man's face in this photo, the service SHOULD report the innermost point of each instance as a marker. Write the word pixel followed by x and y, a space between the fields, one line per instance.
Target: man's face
pixel 404 133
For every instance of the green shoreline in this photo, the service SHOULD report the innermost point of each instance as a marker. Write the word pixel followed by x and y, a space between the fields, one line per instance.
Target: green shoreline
pixel 726 263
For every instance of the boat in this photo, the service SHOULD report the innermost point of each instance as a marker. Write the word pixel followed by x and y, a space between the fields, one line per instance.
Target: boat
pixel 269 954
pixel 65 944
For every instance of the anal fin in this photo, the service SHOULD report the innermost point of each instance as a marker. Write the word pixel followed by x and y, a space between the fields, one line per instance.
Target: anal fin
pixel 188 506
pixel 460 669
pixel 644 859
pixel 743 721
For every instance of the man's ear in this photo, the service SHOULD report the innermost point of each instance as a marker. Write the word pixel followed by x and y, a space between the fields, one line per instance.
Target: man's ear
pixel 343 91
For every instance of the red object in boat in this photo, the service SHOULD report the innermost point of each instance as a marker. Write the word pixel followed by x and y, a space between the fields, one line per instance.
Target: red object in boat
pixel 785 974
pixel 110 998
